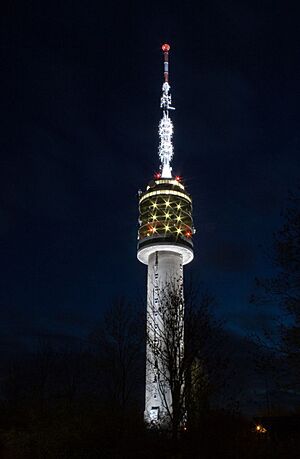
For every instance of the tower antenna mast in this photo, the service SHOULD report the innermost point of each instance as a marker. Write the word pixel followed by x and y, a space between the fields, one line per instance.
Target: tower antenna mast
pixel 165 149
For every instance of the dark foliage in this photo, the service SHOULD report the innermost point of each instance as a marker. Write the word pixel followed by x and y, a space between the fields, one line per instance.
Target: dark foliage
pixel 283 290
pixel 83 402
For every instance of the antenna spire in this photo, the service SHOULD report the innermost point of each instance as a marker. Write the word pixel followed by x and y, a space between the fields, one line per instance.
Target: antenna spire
pixel 165 149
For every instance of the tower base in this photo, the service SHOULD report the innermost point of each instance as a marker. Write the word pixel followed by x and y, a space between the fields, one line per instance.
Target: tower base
pixel 164 269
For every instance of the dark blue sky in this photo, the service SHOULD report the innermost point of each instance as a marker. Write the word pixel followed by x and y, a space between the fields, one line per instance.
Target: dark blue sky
pixel 81 87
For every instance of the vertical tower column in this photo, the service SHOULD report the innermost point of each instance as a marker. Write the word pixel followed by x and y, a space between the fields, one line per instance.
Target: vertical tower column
pixel 165 245
pixel 164 270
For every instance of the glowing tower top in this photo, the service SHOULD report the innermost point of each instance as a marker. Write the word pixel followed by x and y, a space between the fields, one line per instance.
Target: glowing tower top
pixel 165 220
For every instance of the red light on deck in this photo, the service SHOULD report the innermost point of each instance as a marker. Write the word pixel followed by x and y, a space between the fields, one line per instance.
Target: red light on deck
pixel 165 47
pixel 178 178
pixel 188 234
pixel 157 175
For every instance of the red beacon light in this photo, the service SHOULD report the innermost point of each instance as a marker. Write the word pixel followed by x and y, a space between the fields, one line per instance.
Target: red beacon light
pixel 188 234
pixel 178 178
pixel 157 175
pixel 165 47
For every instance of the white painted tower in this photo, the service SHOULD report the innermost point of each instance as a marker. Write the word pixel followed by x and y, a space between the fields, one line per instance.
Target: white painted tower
pixel 165 245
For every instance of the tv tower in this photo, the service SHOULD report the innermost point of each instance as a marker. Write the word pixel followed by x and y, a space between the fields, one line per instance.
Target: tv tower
pixel 165 246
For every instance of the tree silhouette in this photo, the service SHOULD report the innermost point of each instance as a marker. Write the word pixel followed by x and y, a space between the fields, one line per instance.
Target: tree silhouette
pixel 118 344
pixel 182 340
pixel 284 290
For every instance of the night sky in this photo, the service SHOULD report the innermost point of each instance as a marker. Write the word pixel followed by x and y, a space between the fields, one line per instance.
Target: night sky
pixel 81 85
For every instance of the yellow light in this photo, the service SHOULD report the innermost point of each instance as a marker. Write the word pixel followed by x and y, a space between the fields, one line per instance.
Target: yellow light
pixel 178 218
pixel 167 203
pixel 149 194
pixel 259 428
pixel 172 182
pixel 167 215
pixel 154 217
pixel 167 227
pixel 178 230
pixel 154 205
pixel 178 206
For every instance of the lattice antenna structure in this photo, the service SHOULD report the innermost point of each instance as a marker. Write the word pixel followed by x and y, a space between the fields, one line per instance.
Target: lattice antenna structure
pixel 165 130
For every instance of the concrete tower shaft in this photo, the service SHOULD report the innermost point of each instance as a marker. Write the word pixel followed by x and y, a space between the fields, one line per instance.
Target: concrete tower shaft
pixel 165 245
pixel 163 268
